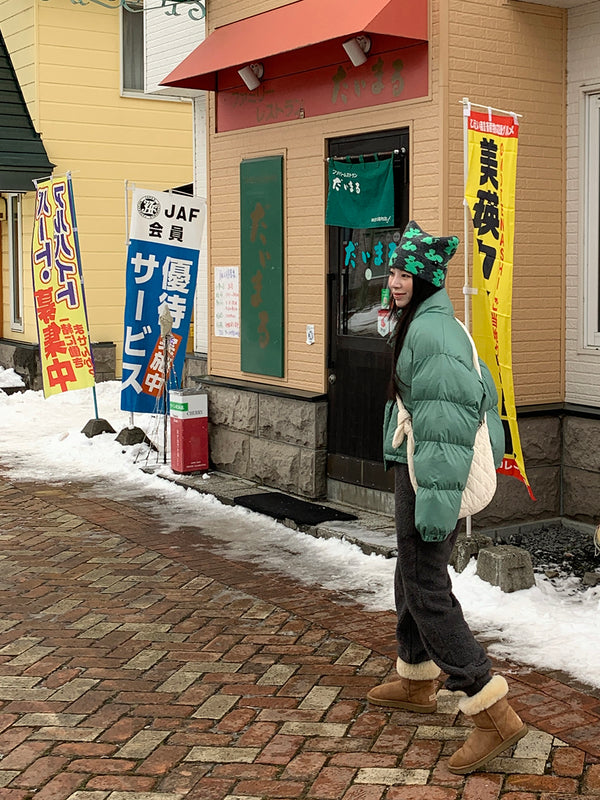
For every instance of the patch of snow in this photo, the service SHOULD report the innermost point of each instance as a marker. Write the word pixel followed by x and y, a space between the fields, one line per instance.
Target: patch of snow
pixel 552 626
pixel 9 379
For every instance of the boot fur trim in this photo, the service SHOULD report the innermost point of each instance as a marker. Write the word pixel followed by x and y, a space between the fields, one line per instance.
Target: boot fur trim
pixel 493 691
pixel 425 671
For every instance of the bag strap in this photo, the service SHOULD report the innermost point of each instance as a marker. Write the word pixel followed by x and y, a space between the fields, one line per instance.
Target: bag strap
pixel 404 423
pixel 475 354
pixel 475 361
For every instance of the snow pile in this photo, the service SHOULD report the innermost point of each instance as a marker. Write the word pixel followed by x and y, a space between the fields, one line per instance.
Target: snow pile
pixel 552 626
pixel 9 379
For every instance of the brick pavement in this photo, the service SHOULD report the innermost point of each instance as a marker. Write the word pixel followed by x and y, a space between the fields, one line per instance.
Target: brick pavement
pixel 136 665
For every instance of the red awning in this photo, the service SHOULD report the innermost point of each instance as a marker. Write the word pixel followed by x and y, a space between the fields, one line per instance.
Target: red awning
pixel 297 26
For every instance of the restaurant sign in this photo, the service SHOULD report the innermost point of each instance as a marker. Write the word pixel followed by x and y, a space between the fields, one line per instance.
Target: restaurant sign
pixel 385 78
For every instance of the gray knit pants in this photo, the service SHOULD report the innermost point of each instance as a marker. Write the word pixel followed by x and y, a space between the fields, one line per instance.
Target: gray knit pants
pixel 431 625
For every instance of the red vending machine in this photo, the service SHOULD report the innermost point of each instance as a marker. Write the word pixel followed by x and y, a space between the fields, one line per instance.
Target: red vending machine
pixel 188 409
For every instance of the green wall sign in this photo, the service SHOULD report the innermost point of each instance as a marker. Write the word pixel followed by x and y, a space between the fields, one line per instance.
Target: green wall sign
pixel 261 247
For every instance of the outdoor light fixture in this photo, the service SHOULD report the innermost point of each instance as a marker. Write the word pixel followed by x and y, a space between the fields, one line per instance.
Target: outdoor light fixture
pixel 357 49
pixel 251 75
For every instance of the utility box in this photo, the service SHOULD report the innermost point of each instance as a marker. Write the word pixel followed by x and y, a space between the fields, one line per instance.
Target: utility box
pixel 188 410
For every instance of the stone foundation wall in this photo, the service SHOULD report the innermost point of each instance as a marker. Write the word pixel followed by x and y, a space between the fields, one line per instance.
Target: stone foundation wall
pixel 194 369
pixel 276 441
pixel 104 361
pixel 562 460
pixel 581 469
pixel 281 442
pixel 24 358
pixel 541 442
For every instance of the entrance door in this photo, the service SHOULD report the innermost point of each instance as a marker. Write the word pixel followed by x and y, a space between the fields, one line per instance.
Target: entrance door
pixel 359 355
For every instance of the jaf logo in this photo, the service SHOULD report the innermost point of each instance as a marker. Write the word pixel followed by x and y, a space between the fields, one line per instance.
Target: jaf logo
pixel 148 207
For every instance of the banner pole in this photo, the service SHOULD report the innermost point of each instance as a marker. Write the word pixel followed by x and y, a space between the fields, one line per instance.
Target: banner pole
pixel 127 231
pixel 127 215
pixel 466 218
pixel 80 267
pixel 491 108
pixel 165 410
pixel 467 214
pixel 165 319
pixel 67 174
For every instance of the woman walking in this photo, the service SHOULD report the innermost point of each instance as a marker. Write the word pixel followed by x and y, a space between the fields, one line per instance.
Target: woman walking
pixel 434 375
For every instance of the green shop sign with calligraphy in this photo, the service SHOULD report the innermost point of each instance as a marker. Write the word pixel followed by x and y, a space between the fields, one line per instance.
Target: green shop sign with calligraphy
pixel 261 244
pixel 195 9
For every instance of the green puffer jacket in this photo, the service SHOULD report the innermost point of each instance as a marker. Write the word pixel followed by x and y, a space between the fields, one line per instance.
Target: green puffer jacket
pixel 446 398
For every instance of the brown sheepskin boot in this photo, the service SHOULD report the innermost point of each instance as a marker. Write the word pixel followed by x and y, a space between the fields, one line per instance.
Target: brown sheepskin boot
pixel 497 727
pixel 415 691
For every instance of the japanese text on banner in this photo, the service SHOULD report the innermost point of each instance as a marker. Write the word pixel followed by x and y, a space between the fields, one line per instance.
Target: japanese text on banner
pixel 162 266
pixel 65 352
pixel 490 193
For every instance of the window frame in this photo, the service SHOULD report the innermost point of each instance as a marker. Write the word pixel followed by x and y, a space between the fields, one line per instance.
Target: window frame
pixel 14 214
pixel 590 232
pixel 128 91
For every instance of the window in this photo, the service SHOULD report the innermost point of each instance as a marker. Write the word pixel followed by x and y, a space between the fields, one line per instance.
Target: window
pixel 591 218
pixel 15 261
pixel 360 256
pixel 132 47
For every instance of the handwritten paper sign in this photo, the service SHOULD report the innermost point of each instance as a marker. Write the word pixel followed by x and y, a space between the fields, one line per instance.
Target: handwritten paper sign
pixel 227 301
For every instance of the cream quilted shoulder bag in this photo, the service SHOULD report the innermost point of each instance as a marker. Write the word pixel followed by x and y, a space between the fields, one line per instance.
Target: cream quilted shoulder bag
pixel 481 483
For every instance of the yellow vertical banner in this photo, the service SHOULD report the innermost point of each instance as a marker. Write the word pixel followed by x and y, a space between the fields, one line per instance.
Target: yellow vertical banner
pixel 492 140
pixel 61 317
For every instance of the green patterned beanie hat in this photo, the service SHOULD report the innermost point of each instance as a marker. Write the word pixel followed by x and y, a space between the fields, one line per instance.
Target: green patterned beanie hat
pixel 423 255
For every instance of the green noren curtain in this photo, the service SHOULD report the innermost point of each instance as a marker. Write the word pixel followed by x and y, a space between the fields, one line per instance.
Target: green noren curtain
pixel 361 194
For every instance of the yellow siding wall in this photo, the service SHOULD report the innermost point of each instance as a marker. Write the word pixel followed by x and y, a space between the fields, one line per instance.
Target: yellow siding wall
pixel 511 55
pixel 102 138
pixel 18 30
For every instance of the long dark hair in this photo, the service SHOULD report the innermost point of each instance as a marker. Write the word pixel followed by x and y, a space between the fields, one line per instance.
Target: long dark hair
pixel 421 291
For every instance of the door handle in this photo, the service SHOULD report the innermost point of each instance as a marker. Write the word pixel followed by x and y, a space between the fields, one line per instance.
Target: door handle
pixel 332 378
pixel 331 303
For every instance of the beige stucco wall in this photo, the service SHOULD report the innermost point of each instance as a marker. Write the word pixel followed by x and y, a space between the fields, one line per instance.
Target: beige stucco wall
pixel 303 145
pixel 222 12
pixel 67 60
pixel 512 55
pixel 508 54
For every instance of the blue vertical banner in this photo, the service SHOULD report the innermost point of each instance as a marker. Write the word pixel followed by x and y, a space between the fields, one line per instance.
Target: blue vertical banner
pixel 162 267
